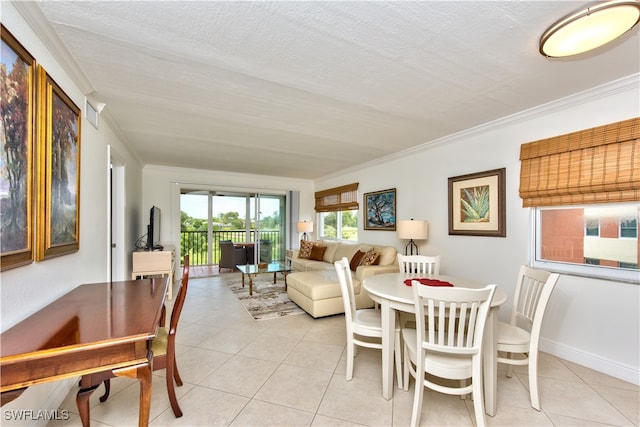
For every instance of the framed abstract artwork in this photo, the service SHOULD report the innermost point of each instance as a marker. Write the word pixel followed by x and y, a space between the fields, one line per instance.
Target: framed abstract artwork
pixel 380 210
pixel 58 215
pixel 17 108
pixel 477 205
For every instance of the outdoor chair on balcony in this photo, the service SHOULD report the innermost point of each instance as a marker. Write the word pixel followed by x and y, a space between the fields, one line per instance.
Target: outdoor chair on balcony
pixel 230 255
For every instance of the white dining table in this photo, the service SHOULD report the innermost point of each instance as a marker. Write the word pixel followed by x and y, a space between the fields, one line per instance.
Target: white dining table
pixel 392 294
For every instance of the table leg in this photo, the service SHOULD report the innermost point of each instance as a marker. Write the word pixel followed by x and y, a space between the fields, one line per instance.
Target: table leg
pixel 274 278
pixel 250 284
pixel 142 373
pixel 388 326
pixel 242 279
pixel 490 361
pixel 82 401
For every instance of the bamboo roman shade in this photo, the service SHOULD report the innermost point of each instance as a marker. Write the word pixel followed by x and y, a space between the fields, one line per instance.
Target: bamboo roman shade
pixel 598 165
pixel 342 198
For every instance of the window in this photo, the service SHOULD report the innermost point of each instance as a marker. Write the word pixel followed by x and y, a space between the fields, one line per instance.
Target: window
pixel 629 228
pixel 337 210
pixel 592 227
pixel 584 189
pixel 341 225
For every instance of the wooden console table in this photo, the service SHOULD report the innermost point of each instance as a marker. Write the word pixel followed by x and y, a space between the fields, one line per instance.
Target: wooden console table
pixel 155 263
pixel 96 331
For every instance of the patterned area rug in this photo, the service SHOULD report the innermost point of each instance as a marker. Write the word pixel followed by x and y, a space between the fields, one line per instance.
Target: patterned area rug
pixel 268 301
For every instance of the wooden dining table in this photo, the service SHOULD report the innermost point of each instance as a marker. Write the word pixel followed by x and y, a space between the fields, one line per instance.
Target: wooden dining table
pixel 95 331
pixel 390 291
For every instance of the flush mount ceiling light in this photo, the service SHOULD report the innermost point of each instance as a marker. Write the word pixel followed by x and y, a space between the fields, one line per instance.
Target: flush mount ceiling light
pixel 590 28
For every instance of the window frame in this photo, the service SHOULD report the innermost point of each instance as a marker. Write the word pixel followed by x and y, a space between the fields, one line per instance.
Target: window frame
pixel 320 221
pixel 582 270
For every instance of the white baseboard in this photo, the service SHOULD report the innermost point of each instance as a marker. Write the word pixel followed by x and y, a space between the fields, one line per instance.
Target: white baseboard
pixel 597 363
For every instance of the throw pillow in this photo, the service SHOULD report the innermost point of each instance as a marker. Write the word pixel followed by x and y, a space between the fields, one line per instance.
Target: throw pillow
pixel 355 260
pixel 369 258
pixel 317 252
pixel 305 249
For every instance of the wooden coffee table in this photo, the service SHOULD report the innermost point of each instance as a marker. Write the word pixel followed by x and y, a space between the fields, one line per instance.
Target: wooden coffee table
pixel 253 270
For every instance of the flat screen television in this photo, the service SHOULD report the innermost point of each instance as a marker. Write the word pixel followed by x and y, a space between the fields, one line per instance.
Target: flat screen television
pixel 153 230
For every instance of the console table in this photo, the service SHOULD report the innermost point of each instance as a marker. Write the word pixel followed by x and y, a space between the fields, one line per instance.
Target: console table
pixel 155 263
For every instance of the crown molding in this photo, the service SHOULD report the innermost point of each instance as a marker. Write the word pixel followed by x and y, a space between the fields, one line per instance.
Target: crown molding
pixel 624 84
pixel 31 13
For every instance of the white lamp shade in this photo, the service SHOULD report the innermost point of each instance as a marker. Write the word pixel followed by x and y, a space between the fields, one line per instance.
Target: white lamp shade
pixel 305 227
pixel 412 229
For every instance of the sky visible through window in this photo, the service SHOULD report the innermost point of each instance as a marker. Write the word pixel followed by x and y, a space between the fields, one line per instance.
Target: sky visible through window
pixel 196 205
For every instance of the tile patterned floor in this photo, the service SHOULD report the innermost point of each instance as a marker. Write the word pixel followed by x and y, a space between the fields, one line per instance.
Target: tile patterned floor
pixel 290 372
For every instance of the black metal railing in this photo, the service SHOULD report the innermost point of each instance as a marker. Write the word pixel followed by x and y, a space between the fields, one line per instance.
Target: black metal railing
pixel 195 244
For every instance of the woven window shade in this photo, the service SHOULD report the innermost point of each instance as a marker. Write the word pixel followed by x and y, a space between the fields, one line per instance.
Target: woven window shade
pixel 598 165
pixel 342 198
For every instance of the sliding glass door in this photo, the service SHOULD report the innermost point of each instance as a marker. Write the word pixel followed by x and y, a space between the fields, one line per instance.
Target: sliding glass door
pixel 252 220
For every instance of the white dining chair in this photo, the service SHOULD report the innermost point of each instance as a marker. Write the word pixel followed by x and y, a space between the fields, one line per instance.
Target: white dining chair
pixel 420 264
pixel 362 323
pixel 447 343
pixel 521 335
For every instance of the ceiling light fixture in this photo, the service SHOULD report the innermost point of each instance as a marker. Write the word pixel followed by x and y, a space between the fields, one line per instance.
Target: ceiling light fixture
pixel 590 28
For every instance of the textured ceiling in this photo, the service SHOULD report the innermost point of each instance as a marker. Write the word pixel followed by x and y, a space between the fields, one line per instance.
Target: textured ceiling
pixel 305 89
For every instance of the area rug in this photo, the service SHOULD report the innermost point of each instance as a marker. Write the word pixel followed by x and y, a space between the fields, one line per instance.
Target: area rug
pixel 269 300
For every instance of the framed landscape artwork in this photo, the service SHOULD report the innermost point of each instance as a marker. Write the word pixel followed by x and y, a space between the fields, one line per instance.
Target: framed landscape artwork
pixel 477 205
pixel 58 170
pixel 380 210
pixel 17 107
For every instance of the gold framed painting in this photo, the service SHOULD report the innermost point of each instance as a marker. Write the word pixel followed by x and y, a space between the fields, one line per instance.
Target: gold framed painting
pixel 58 171
pixel 477 205
pixel 17 107
pixel 380 210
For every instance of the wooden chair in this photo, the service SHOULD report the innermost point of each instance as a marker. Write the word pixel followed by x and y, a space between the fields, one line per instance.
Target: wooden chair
pixel 362 323
pixel 163 346
pixel 522 334
pixel 420 264
pixel 449 345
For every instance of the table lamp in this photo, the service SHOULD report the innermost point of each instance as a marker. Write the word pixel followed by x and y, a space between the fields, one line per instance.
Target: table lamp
pixel 305 227
pixel 413 230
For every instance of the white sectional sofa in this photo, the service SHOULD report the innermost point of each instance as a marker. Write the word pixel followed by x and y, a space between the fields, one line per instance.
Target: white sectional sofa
pixel 314 284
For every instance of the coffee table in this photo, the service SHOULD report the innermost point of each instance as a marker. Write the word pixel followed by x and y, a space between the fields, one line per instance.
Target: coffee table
pixel 253 270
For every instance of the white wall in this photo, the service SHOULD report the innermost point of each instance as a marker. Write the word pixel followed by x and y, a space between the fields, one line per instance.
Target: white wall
pixel 592 322
pixel 26 289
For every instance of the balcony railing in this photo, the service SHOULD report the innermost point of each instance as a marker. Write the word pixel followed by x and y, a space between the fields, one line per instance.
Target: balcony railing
pixel 194 243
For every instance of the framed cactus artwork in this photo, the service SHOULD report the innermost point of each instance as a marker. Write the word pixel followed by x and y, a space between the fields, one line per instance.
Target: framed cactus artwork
pixel 477 205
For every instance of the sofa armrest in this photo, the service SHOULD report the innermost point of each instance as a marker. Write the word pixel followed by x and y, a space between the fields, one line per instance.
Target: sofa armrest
pixel 295 253
pixel 365 271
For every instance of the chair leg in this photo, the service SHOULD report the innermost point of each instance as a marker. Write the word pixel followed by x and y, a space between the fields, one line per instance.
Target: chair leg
pixel 405 379
pixel 478 403
pixel 171 389
pixel 509 366
pixel 417 399
pixel 176 375
pixel 350 356
pixel 398 357
pixel 533 380
pixel 107 389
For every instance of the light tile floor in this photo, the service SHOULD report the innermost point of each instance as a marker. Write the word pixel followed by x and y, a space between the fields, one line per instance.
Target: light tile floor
pixel 290 372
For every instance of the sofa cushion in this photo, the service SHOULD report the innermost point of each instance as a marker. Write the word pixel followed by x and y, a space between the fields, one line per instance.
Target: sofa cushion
pixel 305 248
pixel 345 250
pixel 355 260
pixel 317 252
pixel 318 285
pixel 331 250
pixel 369 257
